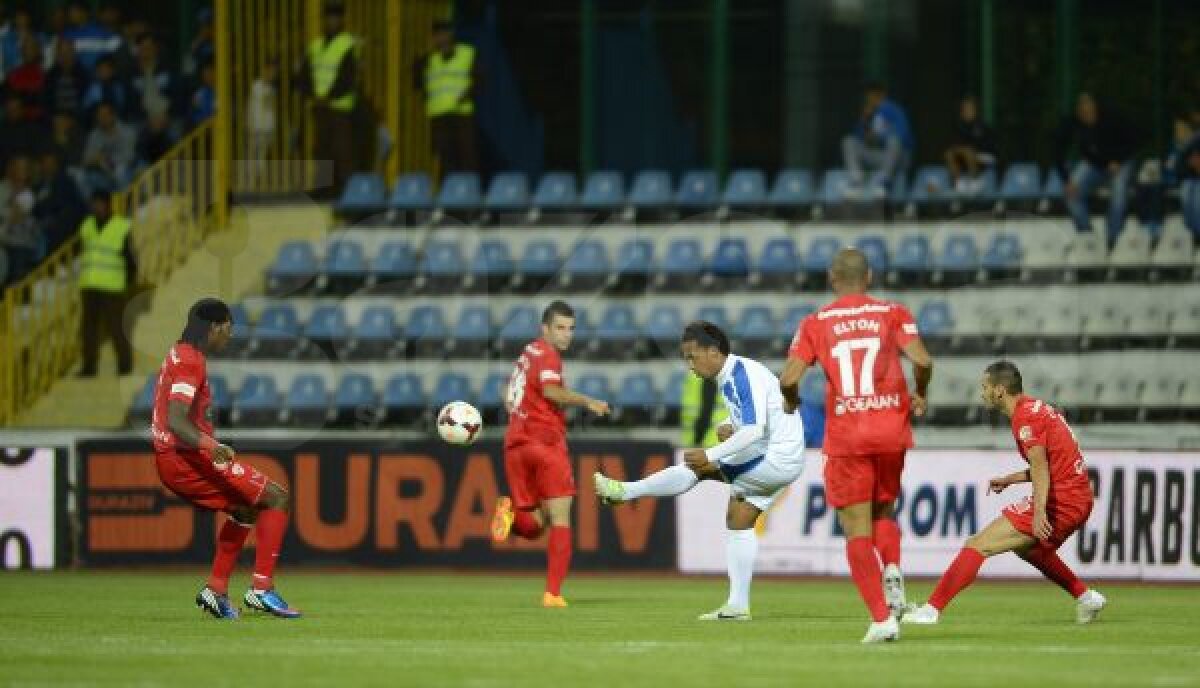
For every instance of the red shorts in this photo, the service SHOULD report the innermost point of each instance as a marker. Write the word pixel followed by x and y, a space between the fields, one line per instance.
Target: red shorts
pixel 857 479
pixel 1065 518
pixel 537 472
pixel 231 487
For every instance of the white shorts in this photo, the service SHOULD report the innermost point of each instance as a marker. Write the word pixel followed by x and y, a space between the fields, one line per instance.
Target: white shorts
pixel 762 484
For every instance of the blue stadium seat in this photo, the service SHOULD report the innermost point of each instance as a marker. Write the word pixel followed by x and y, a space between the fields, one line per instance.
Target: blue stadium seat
pixel 492 268
pixel 375 336
pixel 637 401
pixel 491 397
pixel 509 192
pixel 307 402
pixel 617 336
pixel 596 386
pixel 239 339
pixel 442 267
pixel 583 324
pixel 818 258
pixel 793 189
pixel 587 267
pixel 1022 183
pixel 935 319
pixel 521 326
pixel 326 333
pixel 833 186
pixel 222 400
pixel 745 189
pixel 754 331
pixel 459 192
pixel 354 401
pixel 426 332
pixel 403 399
pixel 1003 256
pixel 364 193
pixel 412 191
pixel 875 250
pixel 276 333
pixel 539 265
pixel 344 269
pixel 779 265
pixel 604 190
pixel 663 327
pixel 731 259
pixel 958 262
pixel 394 268
pixel 931 184
pixel 651 190
pixel 635 266
pixel 683 265
pixel 257 402
pixel 716 315
pixel 912 263
pixel 1054 185
pixel 789 325
pixel 143 403
pixel 294 268
pixel 555 191
pixel 672 399
pixel 451 387
pixel 472 333
pixel 697 190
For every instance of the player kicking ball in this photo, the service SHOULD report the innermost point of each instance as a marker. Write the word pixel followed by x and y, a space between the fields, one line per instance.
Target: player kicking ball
pixel 206 474
pixel 760 453
pixel 1035 527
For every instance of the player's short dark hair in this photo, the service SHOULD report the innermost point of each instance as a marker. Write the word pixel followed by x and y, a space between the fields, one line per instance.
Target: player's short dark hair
pixel 707 335
pixel 1005 374
pixel 557 308
pixel 201 317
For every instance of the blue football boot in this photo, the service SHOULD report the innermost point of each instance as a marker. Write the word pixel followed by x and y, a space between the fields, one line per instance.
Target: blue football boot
pixel 270 602
pixel 216 604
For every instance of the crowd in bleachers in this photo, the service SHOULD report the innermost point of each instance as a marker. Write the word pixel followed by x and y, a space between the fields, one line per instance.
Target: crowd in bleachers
pixel 89 100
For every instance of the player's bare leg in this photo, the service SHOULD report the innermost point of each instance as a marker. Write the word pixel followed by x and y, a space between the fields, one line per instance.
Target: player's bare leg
pixel 272 523
pixel 998 537
pixel 557 511
pixel 671 481
pixel 886 536
pixel 856 521
pixel 1088 602
pixel 741 548
pixel 214 596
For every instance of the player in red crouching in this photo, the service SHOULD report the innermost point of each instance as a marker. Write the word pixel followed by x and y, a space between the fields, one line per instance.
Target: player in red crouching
pixel 535 448
pixel 198 469
pixel 1035 527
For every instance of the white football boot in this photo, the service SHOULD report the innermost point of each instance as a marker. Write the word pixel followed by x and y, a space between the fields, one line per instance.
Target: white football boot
pixel 885 631
pixel 1088 606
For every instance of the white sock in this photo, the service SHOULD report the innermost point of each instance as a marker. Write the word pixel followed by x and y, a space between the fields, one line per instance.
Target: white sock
pixel 669 482
pixel 741 548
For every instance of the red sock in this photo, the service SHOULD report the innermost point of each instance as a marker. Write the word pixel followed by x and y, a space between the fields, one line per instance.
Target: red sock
pixel 229 545
pixel 961 573
pixel 887 540
pixel 1048 562
pixel 525 525
pixel 558 558
pixel 272 524
pixel 864 568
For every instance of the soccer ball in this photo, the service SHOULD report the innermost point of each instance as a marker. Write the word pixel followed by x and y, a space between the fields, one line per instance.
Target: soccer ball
pixel 459 423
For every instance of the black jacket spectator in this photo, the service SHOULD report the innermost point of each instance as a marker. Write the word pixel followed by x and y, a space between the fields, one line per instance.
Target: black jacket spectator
pixel 1110 139
pixel 66 82
pixel 58 204
pixel 19 136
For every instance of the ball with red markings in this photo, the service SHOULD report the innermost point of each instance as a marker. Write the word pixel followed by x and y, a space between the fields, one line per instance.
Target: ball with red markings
pixel 459 423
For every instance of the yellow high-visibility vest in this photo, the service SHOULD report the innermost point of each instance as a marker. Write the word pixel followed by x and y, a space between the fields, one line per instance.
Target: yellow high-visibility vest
pixel 447 81
pixel 325 59
pixel 693 397
pixel 103 256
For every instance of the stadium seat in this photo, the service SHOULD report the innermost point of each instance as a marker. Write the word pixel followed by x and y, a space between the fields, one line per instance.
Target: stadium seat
pixel 394 268
pixel 1130 257
pixel 697 191
pixel 1159 399
pixel 1117 399
pixel 426 332
pixel 1059 324
pixel 637 401
pixel 520 327
pixel 307 402
pixel 1002 260
pixel 442 267
pixel 663 327
pixel 472 333
pixel 295 268
pixel 746 189
pixel 586 269
pixel 450 387
pixel 754 331
pixel 716 315
pixel 604 190
pixel 672 400
pixel 1147 325
pixel 491 398
pixel 874 248
pixel 459 193
pixel 913 262
pixel 958 263
pixel 583 324
pixel 617 336
pixel 789 325
pixel 276 333
pixel 222 401
pixel 1189 400
pixel 1087 257
pixel 411 192
pixel 792 192
pixel 1053 188
pixel 364 193
pixel 1105 326
pixel 239 340
pixel 403 399
pixel 779 266
pixel 325 334
pixel 375 336
pixel 834 186
pixel 555 191
pixel 596 386
pixel 817 259
pixel 508 193
pixel 538 266
pixel 1022 186
pixel 257 402
pixel 1185 326
pixel 344 269
pixel 492 268
pixel 354 402
pixel 1172 257
pixel 935 323
pixel 931 185
pixel 651 190
pixel 683 266
pixel 635 266
pixel 731 261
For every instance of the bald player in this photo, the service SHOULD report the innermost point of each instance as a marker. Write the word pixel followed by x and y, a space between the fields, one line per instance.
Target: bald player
pixel 858 340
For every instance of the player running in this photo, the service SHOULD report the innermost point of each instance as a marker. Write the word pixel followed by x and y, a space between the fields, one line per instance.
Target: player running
pixel 760 453
pixel 1035 527
pixel 858 340
pixel 535 448
pixel 205 473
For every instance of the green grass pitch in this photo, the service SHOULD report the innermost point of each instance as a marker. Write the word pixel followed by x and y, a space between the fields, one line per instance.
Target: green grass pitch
pixel 405 629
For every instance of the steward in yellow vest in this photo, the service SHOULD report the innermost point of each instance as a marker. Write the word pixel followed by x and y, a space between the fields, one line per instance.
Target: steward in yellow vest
pixel 448 78
pixel 107 270
pixel 329 77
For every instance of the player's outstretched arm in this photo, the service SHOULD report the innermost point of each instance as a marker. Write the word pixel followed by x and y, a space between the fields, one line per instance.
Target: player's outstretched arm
pixel 998 485
pixel 186 431
pixel 789 383
pixel 565 397
pixel 922 364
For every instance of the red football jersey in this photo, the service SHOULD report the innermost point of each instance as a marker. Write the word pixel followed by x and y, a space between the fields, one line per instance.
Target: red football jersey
pixel 1037 424
pixel 857 340
pixel 183 377
pixel 530 413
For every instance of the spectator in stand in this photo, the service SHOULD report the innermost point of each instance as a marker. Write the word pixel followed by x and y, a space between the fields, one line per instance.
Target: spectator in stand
pixel 204 100
pixel 1183 166
pixel 92 40
pixel 54 37
pixel 125 58
pixel 203 48
pixel 20 237
pixel 58 204
pixel 66 139
pixel 156 137
pixel 19 136
pixel 152 81
pixel 29 81
pixel 882 140
pixel 260 117
pixel 106 88
pixel 449 79
pixel 17 178
pixel 66 82
pixel 974 148
pixel 328 77
pixel 109 154
pixel 13 42
pixel 1104 145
